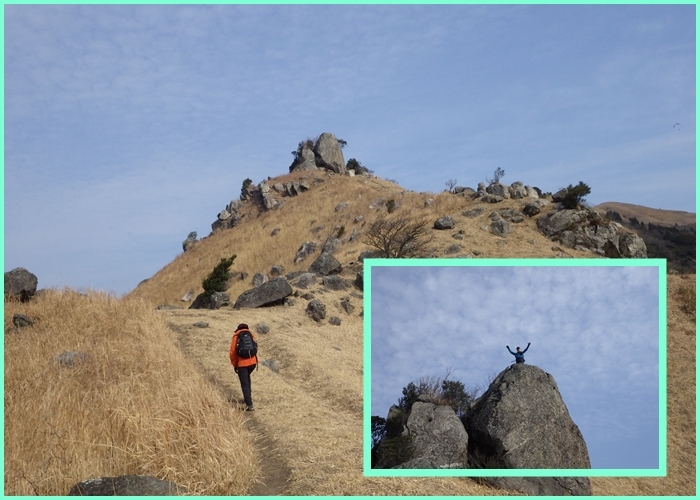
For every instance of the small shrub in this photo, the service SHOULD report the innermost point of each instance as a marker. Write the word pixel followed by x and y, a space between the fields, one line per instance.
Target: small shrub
pixel 353 164
pixel 343 144
pixel 246 185
pixel 341 232
pixel 451 183
pixel 392 452
pixel 575 195
pixel 216 281
pixel 391 205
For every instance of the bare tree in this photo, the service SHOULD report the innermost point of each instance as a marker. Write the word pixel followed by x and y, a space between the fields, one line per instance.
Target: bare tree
pixel 396 238
pixel 451 183
pixel 497 174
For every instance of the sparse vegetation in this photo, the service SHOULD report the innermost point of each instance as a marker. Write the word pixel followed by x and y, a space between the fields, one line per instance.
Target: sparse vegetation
pixel 216 281
pixel 244 187
pixel 497 176
pixel 451 183
pixel 391 205
pixel 686 296
pixel 398 238
pixel 341 232
pixel 575 195
pixel 343 144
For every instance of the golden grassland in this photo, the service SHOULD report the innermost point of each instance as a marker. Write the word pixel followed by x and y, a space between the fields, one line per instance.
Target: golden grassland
pixel 158 395
pixel 137 406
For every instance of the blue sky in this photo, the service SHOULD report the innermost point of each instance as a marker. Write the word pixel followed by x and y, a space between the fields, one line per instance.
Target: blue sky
pixel 127 127
pixel 594 329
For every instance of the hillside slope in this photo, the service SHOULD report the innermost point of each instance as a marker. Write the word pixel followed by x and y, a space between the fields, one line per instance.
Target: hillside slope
pixel 310 411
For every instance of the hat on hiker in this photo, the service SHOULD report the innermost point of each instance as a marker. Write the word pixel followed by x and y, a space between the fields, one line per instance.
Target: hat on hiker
pixel 242 326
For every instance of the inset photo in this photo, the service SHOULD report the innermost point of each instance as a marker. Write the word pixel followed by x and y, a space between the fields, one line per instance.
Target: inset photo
pixel 515 368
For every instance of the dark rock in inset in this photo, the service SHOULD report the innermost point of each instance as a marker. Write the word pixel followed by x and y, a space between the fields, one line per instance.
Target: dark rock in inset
pixel 316 309
pixel 126 486
pixel 21 321
pixel 334 320
pixel 266 294
pixel 325 264
pixel 262 328
pixel 20 284
pixel 418 463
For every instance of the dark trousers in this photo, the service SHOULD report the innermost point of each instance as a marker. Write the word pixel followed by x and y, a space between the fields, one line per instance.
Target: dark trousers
pixel 244 377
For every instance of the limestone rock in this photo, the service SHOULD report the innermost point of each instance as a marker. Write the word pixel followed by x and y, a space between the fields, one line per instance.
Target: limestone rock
pixel 276 271
pixel 262 328
pixel 219 300
pixel 500 227
pixel 328 153
pixel 334 320
pixel 531 209
pixel 21 321
pixel 437 433
pixel 259 279
pixel 71 358
pixel 268 293
pixel 517 190
pixel 304 280
pixel 272 365
pixel 190 241
pixel 509 431
pixel 305 161
pixel 498 189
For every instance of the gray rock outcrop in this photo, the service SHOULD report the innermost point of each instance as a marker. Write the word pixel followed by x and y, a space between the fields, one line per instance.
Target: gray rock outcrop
pixel 20 284
pixel 125 486
pixel 21 321
pixel 190 241
pixel 268 293
pixel 437 434
pixel 334 282
pixel 328 153
pixel 218 300
pixel 585 229
pixel 498 189
pixel 306 249
pixel 229 216
pixel 521 422
pixel 259 279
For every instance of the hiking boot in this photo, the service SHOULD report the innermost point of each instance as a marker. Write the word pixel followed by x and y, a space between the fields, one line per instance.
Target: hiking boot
pixel 249 408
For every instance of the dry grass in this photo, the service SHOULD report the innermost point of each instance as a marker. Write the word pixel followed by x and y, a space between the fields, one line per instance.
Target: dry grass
pixel 311 411
pixel 135 407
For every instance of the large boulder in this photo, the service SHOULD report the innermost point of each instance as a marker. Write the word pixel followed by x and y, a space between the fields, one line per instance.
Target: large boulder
pixel 125 486
pixel 521 422
pixel 305 161
pixel 268 293
pixel 632 246
pixel 325 264
pixel 20 284
pixel 328 153
pixel 498 189
pixel 437 434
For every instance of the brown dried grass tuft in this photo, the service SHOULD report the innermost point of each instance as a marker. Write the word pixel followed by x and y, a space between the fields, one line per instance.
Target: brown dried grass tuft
pixel 135 407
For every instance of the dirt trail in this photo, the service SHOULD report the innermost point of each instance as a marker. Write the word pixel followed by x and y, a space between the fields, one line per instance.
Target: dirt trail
pixel 198 347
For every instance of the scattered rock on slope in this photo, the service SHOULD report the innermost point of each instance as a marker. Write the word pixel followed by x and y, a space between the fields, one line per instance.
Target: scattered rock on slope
pixel 266 294
pixel 20 284
pixel 325 264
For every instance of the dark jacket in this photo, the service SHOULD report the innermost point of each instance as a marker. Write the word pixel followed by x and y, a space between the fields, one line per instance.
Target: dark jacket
pixel 519 356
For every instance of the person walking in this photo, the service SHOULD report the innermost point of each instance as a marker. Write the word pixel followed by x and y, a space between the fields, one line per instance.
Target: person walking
pixel 519 355
pixel 244 358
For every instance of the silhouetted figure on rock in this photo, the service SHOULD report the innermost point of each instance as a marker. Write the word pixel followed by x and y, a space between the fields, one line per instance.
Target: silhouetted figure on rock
pixel 519 355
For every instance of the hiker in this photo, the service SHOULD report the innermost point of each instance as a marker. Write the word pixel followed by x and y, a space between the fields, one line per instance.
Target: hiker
pixel 244 358
pixel 519 355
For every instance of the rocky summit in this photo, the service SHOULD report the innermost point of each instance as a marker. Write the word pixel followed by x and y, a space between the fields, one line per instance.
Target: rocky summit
pixel 521 422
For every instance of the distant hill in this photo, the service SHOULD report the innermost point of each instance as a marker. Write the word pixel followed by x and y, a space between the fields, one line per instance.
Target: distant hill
pixel 668 234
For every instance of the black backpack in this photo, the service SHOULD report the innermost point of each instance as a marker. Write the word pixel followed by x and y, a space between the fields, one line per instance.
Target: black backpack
pixel 246 347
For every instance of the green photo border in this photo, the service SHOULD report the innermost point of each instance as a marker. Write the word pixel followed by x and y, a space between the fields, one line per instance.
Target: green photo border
pixel 661 471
